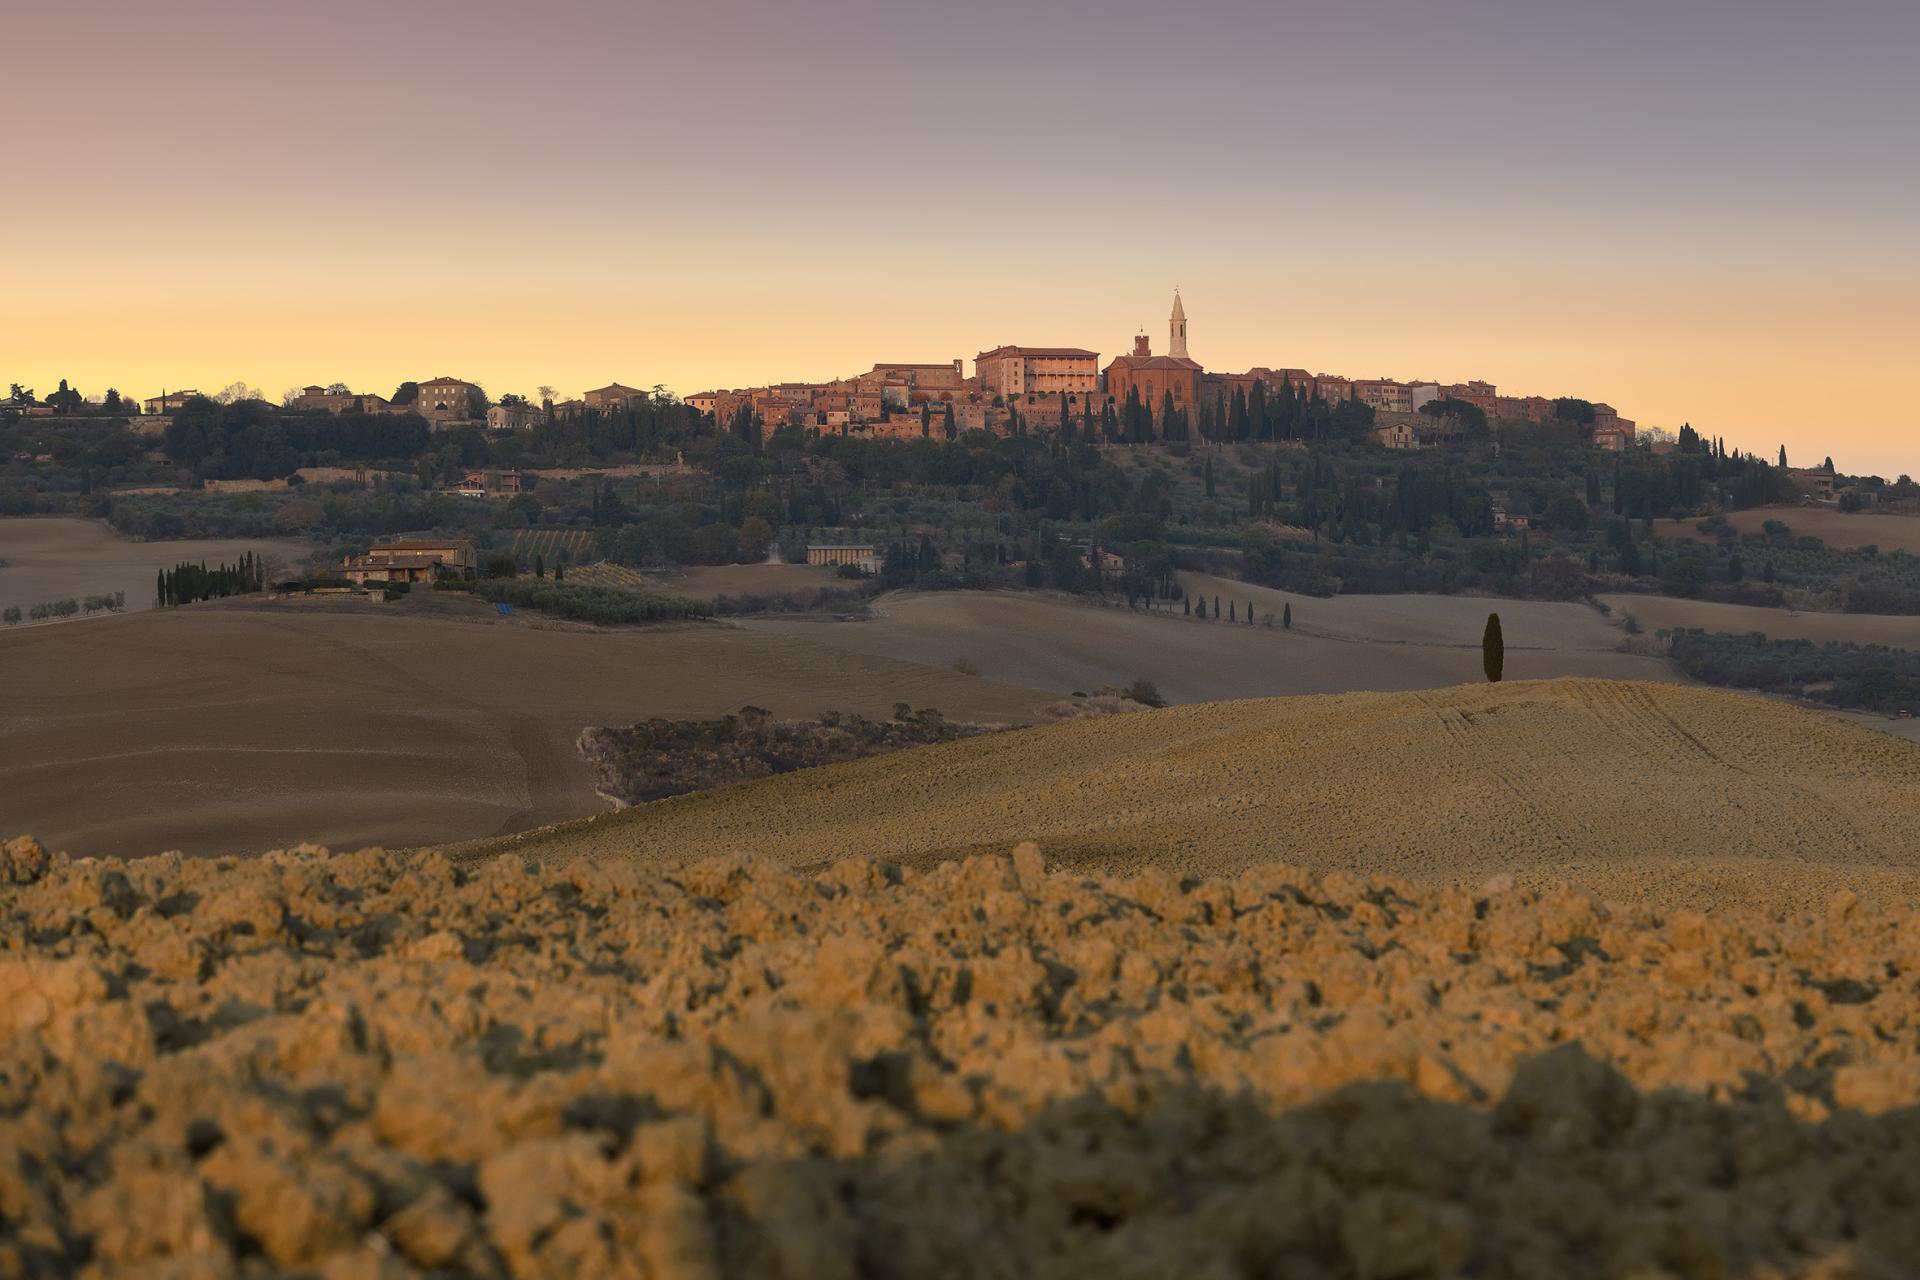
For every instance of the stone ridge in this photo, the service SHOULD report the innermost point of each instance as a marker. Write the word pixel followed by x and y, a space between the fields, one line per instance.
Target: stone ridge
pixel 378 1065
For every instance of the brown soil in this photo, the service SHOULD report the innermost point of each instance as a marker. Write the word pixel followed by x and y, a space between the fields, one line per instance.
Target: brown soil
pixel 55 557
pixel 1337 645
pixel 384 1065
pixel 1644 792
pixel 222 729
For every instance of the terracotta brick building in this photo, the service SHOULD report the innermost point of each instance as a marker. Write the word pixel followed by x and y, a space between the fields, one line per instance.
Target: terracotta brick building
pixel 1152 377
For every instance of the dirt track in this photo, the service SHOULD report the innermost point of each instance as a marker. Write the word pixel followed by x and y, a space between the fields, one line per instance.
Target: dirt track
pixel 1646 792
pixel 380 1065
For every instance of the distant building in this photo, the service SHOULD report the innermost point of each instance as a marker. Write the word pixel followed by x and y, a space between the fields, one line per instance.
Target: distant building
pixel 1509 521
pixel 514 417
pixel 170 401
pixel 490 484
pixel 1814 482
pixel 314 399
pixel 1481 395
pixel 421 561
pixel 859 554
pixel 1153 378
pixel 915 382
pixel 445 401
pixel 1383 395
pixel 1397 436
pixel 1421 393
pixel 1607 418
pixel 614 398
pixel 1039 371
pixel 1331 387
pixel 1534 409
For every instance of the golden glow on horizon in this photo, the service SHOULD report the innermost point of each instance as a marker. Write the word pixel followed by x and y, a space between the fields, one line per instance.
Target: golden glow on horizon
pixel 1694 212
pixel 1720 358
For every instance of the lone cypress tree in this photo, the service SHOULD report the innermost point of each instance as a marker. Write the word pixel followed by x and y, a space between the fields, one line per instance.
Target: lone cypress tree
pixel 1493 650
pixel 1286 616
pixel 1249 611
pixel 1216 607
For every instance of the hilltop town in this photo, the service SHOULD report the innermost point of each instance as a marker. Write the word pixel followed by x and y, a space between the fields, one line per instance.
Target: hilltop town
pixel 1136 397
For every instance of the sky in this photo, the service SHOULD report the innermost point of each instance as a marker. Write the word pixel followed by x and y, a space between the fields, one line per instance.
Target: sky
pixel 1698 211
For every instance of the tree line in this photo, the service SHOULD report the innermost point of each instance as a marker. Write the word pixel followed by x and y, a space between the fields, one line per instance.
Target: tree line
pixel 110 602
pixel 187 582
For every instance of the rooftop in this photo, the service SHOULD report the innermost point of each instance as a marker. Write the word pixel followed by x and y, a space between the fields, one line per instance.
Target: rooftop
pixel 1037 351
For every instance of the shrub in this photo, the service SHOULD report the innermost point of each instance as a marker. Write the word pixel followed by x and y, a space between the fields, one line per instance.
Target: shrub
pixel 606 605
pixel 659 758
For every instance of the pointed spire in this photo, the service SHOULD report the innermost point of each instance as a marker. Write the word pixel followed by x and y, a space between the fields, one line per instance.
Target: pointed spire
pixel 1177 329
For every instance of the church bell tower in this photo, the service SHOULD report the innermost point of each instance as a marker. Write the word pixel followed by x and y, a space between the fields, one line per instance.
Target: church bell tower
pixel 1177 346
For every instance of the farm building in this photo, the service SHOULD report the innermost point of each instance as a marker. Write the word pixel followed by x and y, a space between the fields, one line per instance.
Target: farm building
pixel 860 555
pixel 412 562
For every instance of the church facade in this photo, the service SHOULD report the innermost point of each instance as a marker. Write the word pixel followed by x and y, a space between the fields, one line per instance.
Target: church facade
pixel 1154 378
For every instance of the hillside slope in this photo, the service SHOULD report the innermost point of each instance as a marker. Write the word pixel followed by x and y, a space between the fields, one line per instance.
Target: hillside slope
pixel 1639 791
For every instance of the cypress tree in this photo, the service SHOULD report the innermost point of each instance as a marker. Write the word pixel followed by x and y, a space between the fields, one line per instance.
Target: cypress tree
pixel 1216 607
pixel 1186 606
pixel 160 589
pixel 1230 617
pixel 1286 616
pixel 1493 650
pixel 951 433
pixel 1249 611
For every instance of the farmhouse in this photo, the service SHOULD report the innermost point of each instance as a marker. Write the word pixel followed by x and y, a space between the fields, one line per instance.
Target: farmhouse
pixel 315 399
pixel 860 555
pixel 412 562
pixel 1397 435
pixel 1815 482
pixel 495 484
pixel 170 401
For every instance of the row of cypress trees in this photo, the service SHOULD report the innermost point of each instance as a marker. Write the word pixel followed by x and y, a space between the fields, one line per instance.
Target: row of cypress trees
pixel 187 582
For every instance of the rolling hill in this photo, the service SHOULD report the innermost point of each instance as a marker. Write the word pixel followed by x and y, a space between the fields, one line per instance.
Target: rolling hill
pixel 1638 791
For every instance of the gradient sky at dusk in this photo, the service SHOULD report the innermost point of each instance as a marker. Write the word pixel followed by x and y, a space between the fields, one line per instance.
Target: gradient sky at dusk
pixel 1704 212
